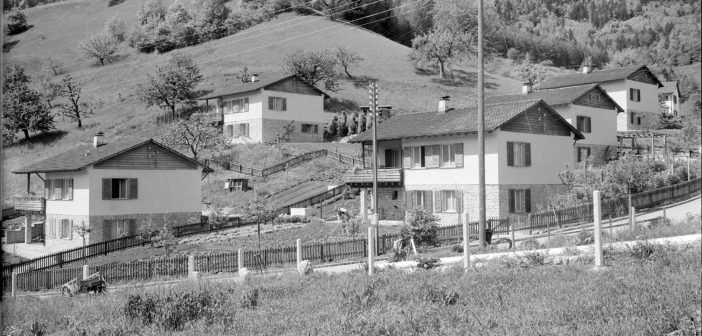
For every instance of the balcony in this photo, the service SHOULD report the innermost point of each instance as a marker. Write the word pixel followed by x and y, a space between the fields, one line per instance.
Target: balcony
pixel 363 178
pixel 30 204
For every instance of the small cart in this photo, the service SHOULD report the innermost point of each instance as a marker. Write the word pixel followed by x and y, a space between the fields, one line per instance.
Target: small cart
pixel 94 283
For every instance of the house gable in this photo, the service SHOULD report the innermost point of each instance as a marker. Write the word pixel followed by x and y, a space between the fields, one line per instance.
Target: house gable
pixel 644 75
pixel 538 119
pixel 148 156
pixel 597 98
pixel 292 85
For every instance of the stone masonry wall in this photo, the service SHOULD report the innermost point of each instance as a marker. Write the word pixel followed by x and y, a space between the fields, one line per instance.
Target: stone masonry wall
pixel 389 208
pixel 539 196
pixel 159 220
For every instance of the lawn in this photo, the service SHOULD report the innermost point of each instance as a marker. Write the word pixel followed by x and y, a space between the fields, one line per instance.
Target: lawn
pixel 641 294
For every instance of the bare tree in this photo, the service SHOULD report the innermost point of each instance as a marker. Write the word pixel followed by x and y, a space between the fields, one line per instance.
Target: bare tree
pixel 99 46
pixel 75 109
pixel 347 58
pixel 54 65
pixel 83 230
pixel 197 134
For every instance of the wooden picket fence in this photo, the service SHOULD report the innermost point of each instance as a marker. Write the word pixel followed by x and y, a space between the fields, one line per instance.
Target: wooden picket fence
pixel 279 167
pixel 315 199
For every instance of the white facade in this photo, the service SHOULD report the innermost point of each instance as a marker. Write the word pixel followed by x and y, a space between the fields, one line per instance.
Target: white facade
pixel 641 114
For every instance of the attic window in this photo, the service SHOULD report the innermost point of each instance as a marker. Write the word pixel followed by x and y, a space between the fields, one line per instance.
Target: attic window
pixel 595 97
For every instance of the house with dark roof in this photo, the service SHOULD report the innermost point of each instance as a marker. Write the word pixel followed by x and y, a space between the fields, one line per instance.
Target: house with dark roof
pixel 430 160
pixel 588 108
pixel 113 188
pixel 268 108
pixel 635 89
pixel 669 97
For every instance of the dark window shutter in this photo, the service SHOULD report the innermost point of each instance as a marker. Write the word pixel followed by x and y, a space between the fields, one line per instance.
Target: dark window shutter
pixel 437 204
pixel 133 189
pixel 106 230
pixel 388 159
pixel 589 124
pixel 70 229
pixel 407 157
pixel 428 201
pixel 106 189
pixel 284 104
pixel 527 200
pixel 270 103
pixel 132 227
pixel 511 200
pixel 69 192
pixel 510 153
pixel 527 154
pixel 580 152
pixel 424 155
pixel 316 129
pixel 47 189
pixel 459 201
pixel 631 94
pixel 458 152
pixel 579 124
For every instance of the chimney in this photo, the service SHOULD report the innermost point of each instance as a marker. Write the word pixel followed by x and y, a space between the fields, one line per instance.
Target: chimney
pixel 586 68
pixel 442 104
pixel 254 77
pixel 98 140
pixel 526 87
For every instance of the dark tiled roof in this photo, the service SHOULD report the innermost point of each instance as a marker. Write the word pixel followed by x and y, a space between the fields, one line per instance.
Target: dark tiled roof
pixel 457 121
pixel 598 76
pixel 669 87
pixel 238 87
pixel 85 155
pixel 553 97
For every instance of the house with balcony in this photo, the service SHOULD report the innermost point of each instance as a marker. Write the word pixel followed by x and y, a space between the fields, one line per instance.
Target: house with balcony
pixel 588 108
pixel 269 108
pixel 634 89
pixel 430 160
pixel 113 188
pixel 669 98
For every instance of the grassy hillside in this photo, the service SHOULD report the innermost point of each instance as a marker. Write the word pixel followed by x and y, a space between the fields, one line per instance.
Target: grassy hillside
pixel 58 29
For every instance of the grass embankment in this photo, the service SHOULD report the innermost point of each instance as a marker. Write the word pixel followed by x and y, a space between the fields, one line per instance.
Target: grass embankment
pixel 642 294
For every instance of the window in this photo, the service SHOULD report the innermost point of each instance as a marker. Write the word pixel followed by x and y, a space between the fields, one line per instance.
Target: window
pixel 119 188
pixel 59 229
pixel 58 189
pixel 519 200
pixel 434 156
pixel 638 120
pixel 583 153
pixel 118 228
pixel 675 113
pixel 241 130
pixel 395 195
pixel 310 128
pixel 631 117
pixel 448 156
pixel 418 157
pixel 276 104
pixel 236 105
pixel 519 154
pixel 419 199
pixel 634 94
pixel 230 131
pixel 448 201
pixel 675 99
pixel 66 229
pixel 584 124
pixel 393 158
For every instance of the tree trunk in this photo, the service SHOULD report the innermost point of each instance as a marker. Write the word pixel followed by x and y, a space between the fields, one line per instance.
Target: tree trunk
pixel 441 70
pixel 102 61
pixel 173 110
pixel 346 70
pixel 26 134
pixel 80 123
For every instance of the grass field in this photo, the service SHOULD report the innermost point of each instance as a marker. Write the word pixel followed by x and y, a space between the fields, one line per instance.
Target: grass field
pixel 641 294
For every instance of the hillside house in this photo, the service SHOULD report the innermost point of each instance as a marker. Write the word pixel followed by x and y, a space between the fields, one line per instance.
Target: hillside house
pixel 430 160
pixel 669 97
pixel 635 89
pixel 113 188
pixel 588 108
pixel 270 107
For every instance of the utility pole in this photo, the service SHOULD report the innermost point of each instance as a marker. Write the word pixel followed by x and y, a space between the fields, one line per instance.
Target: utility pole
pixel 481 130
pixel 373 91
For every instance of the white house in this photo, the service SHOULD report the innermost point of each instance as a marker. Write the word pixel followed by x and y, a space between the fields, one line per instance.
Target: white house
pixel 430 160
pixel 269 107
pixel 635 89
pixel 669 97
pixel 113 188
pixel 588 108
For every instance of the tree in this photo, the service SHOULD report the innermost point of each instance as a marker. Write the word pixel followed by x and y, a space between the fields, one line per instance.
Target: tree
pixel 513 54
pixel 83 230
pixel 260 211
pixel 312 67
pixel 147 231
pixel 23 107
pixel 197 134
pixel 441 47
pixel 16 23
pixel 341 126
pixel 351 124
pixel 49 90
pixel 332 127
pixel 422 228
pixel 210 17
pixel 75 109
pixel 172 84
pixel 116 29
pixel 533 74
pixel 362 122
pixel 347 58
pixel 99 46
pixel 54 65
pixel 151 14
pixel 166 238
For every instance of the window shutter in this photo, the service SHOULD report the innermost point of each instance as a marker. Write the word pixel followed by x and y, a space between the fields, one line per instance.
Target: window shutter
pixel 423 155
pixel 589 124
pixel 133 189
pixel 246 130
pixel 438 203
pixel 459 201
pixel 107 229
pixel 246 105
pixel 69 189
pixel 132 227
pixel 48 228
pixel 58 189
pixel 527 200
pixel 428 201
pixel 270 103
pixel 511 200
pixel 47 188
pixel 70 229
pixel 230 131
pixel 510 153
pixel 106 189
pixel 435 156
pixel 458 152
pixel 407 157
pixel 316 129
pixel 527 154
pixel 579 123
pixel 388 160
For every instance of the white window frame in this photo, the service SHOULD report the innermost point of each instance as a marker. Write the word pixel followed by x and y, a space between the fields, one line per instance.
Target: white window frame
pixel 278 103
pixel 448 200
pixel 448 156
pixel 519 154
pixel 241 130
pixel 64 193
pixel 239 105
pixel 519 201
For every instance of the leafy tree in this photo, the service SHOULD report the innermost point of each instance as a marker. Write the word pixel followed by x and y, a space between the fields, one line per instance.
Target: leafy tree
pixel 441 47
pixel 75 109
pixel 151 14
pixel 23 109
pixel 49 90
pixel 116 29
pixel 210 17
pixel 197 134
pixel 332 126
pixel 362 122
pixel 166 238
pixel 261 211
pixel 17 23
pixel 422 227
pixel 83 230
pixel 172 84
pixel 312 67
pixel 179 26
pixel 347 58
pixel 513 54
pixel 351 124
pixel 147 231
pixel 533 74
pixel 99 46
pixel 341 126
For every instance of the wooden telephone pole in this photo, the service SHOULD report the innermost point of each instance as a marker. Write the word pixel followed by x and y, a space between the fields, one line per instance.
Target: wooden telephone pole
pixel 481 129
pixel 373 91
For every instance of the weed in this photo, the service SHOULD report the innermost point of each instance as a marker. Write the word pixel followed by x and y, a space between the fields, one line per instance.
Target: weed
pixel 530 244
pixel 249 299
pixel 642 250
pixel 436 294
pixel 534 259
pixel 428 263
pixel 457 248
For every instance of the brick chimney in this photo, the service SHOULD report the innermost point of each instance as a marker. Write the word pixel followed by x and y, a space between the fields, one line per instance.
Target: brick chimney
pixel 526 87
pixel 442 104
pixel 254 77
pixel 98 140
pixel 587 68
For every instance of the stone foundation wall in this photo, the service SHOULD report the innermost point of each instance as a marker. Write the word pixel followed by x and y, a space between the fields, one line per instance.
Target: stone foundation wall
pixel 274 127
pixel 158 220
pixel 391 203
pixel 58 244
pixel 539 196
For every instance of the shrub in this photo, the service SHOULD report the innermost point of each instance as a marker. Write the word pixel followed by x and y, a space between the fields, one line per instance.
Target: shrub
pixel 249 299
pixel 642 250
pixel 16 23
pixel 116 29
pixel 457 248
pixel 428 263
pixel 430 292
pixel 140 40
pixel 672 179
pixel 292 219
pixel 422 228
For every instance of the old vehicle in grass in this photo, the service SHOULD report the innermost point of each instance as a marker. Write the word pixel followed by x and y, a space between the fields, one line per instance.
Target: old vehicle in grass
pixel 95 284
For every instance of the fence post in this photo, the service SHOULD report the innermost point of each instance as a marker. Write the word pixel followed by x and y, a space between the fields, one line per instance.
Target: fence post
pixel 466 253
pixel 511 226
pixel 86 271
pixel 632 218
pixel 191 265
pixel 239 260
pixel 598 224
pixel 371 249
pixel 14 285
pixel 529 223
pixel 298 244
pixel 611 236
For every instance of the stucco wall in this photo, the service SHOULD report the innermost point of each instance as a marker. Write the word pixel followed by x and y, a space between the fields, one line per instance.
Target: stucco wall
pixel 646 107
pixel 255 107
pixel 603 122
pixel 299 107
pixel 80 205
pixel 549 156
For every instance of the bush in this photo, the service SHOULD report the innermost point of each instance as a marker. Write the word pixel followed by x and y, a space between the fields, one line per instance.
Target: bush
pixel 292 219
pixel 422 228
pixel 116 29
pixel 140 40
pixel 16 23
pixel 672 179
pixel 428 263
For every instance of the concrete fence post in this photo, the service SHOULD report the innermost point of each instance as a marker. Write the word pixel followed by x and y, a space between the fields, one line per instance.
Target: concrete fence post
pixel 14 285
pixel 512 233
pixel 632 218
pixel 239 259
pixel 298 250
pixel 191 265
pixel 598 225
pixel 86 271
pixel 371 249
pixel 466 252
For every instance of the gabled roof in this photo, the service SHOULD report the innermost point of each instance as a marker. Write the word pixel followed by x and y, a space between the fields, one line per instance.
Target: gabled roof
pixel 86 155
pixel 262 82
pixel 598 76
pixel 554 97
pixel 669 87
pixel 457 121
